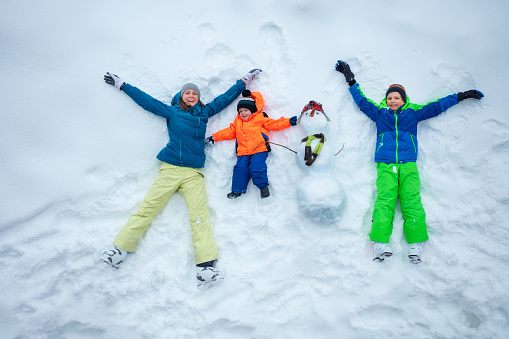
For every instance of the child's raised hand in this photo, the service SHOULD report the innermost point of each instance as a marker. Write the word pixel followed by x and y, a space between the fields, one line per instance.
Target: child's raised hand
pixel 293 120
pixel 340 66
pixel 343 67
pixel 209 141
pixel 251 75
pixel 473 93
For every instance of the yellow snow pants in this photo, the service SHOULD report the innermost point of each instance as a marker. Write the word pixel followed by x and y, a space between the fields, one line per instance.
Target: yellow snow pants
pixel 190 182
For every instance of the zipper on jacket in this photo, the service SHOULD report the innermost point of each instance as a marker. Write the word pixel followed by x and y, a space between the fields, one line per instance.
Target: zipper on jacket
pixel 397 133
pixel 381 142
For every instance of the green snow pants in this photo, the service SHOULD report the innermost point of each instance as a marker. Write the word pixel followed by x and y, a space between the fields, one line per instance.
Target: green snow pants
pixel 190 183
pixel 403 180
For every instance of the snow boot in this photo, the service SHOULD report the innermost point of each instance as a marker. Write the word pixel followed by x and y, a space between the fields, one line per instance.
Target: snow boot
pixel 233 195
pixel 114 257
pixel 381 251
pixel 207 276
pixel 264 192
pixel 415 252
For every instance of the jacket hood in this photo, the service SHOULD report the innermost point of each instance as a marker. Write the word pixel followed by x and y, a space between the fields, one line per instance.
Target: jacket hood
pixel 175 100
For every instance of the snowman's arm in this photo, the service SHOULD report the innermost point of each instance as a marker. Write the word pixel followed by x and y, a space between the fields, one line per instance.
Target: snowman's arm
pixel 228 133
pixel 367 106
pixel 277 125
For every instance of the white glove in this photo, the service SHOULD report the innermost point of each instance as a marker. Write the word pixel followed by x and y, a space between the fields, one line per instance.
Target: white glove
pixel 251 75
pixel 113 80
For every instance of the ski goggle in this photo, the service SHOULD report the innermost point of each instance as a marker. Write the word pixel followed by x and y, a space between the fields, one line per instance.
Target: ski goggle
pixel 312 106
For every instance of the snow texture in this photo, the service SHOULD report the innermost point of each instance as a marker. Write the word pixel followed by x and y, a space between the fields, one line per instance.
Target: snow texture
pixel 78 157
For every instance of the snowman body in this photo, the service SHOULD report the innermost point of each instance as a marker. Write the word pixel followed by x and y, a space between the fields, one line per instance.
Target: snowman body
pixel 320 196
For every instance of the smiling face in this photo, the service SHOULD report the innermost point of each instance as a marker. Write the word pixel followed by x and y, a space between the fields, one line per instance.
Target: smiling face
pixel 394 101
pixel 190 97
pixel 244 113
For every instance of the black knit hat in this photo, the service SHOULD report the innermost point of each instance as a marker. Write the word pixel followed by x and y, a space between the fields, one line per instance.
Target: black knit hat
pixel 397 88
pixel 247 101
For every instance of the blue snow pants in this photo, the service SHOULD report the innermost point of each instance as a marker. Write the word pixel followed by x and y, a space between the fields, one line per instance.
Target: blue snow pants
pixel 250 167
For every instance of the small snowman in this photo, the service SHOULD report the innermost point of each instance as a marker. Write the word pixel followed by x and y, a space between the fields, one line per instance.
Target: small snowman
pixel 319 194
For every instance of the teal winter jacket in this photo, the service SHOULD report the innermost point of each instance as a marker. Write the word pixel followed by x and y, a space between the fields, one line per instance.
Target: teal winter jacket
pixel 397 131
pixel 186 129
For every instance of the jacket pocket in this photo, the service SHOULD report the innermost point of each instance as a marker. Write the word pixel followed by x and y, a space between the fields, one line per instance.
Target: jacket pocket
pixel 413 142
pixel 381 142
pixel 267 145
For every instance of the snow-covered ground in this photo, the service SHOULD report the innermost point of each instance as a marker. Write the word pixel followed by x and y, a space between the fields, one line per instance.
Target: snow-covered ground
pixel 78 156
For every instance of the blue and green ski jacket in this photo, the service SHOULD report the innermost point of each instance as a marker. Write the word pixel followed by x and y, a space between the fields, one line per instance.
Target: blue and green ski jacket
pixel 186 129
pixel 397 131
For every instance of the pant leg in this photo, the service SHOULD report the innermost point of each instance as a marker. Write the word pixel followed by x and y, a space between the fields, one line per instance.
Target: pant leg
pixel 258 169
pixel 165 184
pixel 241 174
pixel 193 190
pixel 385 204
pixel 411 206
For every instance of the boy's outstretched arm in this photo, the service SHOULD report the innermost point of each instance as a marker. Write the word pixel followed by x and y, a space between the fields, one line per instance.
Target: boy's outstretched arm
pixel 343 67
pixel 366 106
pixel 437 107
pixel 279 124
pixel 228 133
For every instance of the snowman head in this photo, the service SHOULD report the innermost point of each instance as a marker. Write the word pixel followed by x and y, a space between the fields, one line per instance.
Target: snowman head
pixel 313 119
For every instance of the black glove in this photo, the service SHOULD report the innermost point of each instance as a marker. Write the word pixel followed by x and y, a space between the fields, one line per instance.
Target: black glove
pixel 473 93
pixel 113 80
pixel 293 120
pixel 209 141
pixel 343 67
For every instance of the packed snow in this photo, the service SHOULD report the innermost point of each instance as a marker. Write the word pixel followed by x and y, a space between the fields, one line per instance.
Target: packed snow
pixel 78 156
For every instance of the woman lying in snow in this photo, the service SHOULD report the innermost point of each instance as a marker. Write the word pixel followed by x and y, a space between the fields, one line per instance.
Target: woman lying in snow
pixel 181 169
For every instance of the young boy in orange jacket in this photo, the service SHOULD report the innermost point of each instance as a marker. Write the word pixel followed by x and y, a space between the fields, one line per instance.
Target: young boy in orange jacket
pixel 250 128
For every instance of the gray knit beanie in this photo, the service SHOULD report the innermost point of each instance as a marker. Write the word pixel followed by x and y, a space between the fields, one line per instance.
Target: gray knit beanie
pixel 190 85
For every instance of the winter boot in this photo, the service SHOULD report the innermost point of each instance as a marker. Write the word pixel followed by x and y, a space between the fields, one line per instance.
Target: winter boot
pixel 264 192
pixel 233 195
pixel 415 252
pixel 114 257
pixel 207 276
pixel 381 251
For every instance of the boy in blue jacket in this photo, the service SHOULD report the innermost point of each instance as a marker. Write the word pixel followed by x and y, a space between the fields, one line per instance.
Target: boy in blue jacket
pixel 182 161
pixel 395 154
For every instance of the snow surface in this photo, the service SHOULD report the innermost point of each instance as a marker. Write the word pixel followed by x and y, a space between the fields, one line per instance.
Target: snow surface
pixel 78 156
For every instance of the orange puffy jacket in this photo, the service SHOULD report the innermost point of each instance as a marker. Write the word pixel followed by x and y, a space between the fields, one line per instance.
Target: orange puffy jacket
pixel 252 134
